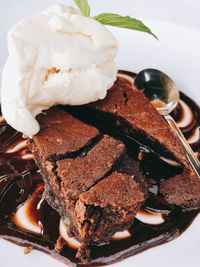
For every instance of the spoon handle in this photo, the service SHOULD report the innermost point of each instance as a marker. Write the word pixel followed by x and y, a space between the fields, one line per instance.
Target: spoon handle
pixel 188 150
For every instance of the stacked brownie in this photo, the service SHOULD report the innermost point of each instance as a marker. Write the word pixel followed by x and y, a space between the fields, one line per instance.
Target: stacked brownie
pixel 89 176
pixel 85 179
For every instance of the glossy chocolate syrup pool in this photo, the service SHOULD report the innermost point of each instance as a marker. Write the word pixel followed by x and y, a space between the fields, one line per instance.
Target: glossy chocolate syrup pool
pixel 26 219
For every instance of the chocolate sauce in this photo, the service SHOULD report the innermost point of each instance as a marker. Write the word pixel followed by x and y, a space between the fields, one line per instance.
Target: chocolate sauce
pixel 21 189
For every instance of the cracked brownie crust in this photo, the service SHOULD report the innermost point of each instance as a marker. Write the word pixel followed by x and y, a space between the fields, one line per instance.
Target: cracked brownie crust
pixel 132 113
pixel 82 168
pixel 60 133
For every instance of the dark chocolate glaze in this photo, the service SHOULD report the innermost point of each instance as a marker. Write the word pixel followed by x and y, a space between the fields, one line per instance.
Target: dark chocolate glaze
pixel 20 181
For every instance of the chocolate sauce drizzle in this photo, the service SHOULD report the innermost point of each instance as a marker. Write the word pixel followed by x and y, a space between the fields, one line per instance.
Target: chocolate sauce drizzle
pixel 21 189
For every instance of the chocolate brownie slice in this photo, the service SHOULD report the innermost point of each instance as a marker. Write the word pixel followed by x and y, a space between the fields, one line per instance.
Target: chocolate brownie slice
pixel 182 190
pixel 68 174
pixel 127 110
pixel 108 207
pixel 78 175
pixel 61 135
pixel 95 224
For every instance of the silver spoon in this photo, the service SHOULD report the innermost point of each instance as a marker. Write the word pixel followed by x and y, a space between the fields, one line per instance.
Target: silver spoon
pixel 161 90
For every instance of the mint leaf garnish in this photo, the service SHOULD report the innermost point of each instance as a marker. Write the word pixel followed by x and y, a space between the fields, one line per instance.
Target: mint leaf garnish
pixel 123 22
pixel 84 7
pixel 114 19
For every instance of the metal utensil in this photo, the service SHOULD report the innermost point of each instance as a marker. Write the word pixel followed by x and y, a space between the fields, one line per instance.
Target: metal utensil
pixel 163 93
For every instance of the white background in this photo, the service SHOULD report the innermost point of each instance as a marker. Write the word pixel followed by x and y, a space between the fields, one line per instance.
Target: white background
pixel 177 24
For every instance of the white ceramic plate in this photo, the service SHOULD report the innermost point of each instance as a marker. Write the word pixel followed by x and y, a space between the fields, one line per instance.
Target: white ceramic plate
pixel 177 24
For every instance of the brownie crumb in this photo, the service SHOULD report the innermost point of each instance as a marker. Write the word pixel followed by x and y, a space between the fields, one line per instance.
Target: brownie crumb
pixel 84 254
pixel 59 245
pixel 28 249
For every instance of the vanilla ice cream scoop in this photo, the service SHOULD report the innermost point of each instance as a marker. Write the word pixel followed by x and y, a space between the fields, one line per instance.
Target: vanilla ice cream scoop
pixel 56 57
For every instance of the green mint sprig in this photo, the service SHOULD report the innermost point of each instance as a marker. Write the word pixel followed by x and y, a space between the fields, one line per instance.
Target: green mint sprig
pixel 115 19
pixel 123 22
pixel 84 7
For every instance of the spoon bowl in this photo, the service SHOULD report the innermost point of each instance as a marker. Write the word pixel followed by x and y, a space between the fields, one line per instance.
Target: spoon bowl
pixel 159 88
